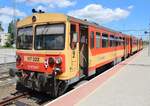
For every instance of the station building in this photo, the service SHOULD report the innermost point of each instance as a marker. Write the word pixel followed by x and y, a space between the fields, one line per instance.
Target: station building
pixel 3 38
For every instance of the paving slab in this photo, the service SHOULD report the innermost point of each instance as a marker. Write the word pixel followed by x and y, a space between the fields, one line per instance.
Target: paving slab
pixel 129 87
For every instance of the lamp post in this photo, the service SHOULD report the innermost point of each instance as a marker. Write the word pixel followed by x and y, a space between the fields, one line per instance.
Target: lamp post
pixel 14 21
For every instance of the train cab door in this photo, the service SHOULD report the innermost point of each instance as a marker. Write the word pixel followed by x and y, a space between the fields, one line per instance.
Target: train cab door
pixel 83 50
pixel 74 45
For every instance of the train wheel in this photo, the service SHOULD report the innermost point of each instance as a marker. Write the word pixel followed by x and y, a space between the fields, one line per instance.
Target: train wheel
pixel 61 87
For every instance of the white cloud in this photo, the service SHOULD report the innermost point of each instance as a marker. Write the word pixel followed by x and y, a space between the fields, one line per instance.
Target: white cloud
pixel 98 13
pixel 20 0
pixel 51 3
pixel 10 11
pixel 51 6
pixel 131 7
pixel 5 19
pixel 64 3
pixel 40 7
pixel 6 15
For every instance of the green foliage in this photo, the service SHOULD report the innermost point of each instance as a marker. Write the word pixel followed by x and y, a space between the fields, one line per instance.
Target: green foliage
pixel 11 27
pixel 8 45
pixel 1 28
pixel 11 37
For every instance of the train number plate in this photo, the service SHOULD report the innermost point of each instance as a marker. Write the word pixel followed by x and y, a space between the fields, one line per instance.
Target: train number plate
pixel 33 59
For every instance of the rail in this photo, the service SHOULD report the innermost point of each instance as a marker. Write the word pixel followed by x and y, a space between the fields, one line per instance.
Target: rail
pixel 11 100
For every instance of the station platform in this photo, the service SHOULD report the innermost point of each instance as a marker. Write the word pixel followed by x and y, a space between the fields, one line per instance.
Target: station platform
pixel 126 84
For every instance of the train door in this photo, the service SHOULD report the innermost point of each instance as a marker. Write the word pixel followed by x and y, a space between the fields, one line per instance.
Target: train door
pixel 131 44
pixel 83 50
pixel 138 48
pixel 125 47
pixel 129 47
pixel 74 44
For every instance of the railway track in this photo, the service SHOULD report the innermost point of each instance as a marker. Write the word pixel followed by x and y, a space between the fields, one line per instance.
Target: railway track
pixel 10 63
pixel 12 99
pixel 34 97
pixel 4 76
pixel 5 79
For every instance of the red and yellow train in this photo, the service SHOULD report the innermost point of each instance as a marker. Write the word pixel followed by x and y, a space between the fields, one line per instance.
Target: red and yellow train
pixel 56 50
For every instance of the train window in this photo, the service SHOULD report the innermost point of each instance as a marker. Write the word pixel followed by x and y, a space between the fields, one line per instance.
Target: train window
pixel 127 41
pixel 50 29
pixel 24 38
pixel 124 41
pixel 92 40
pixel 112 41
pixel 104 40
pixel 116 41
pixel 134 42
pixel 121 41
pixel 50 37
pixel 72 32
pixel 97 40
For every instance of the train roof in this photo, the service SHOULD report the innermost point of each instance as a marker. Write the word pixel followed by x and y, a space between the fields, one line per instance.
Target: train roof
pixel 63 17
pixel 86 22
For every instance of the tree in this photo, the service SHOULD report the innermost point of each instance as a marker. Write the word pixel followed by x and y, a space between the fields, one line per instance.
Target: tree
pixel 7 45
pixel 1 28
pixel 11 30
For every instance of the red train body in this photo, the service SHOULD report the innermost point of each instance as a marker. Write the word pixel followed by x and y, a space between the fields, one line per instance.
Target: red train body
pixel 56 50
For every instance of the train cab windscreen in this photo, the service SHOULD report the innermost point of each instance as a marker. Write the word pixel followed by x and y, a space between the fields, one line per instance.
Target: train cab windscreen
pixel 24 38
pixel 50 37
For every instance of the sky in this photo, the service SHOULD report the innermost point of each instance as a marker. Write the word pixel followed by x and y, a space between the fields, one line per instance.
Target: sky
pixel 128 16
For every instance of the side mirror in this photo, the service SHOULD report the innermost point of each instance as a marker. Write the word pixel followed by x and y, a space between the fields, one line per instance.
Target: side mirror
pixel 75 37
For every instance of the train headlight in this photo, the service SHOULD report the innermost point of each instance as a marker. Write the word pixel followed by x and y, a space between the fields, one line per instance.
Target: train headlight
pixel 51 61
pixel 58 60
pixel 57 70
pixel 18 60
pixel 34 19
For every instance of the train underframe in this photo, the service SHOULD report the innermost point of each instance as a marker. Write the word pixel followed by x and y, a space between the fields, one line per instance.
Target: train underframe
pixel 39 82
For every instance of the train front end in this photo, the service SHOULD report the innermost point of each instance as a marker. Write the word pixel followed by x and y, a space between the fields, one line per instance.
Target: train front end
pixel 40 55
